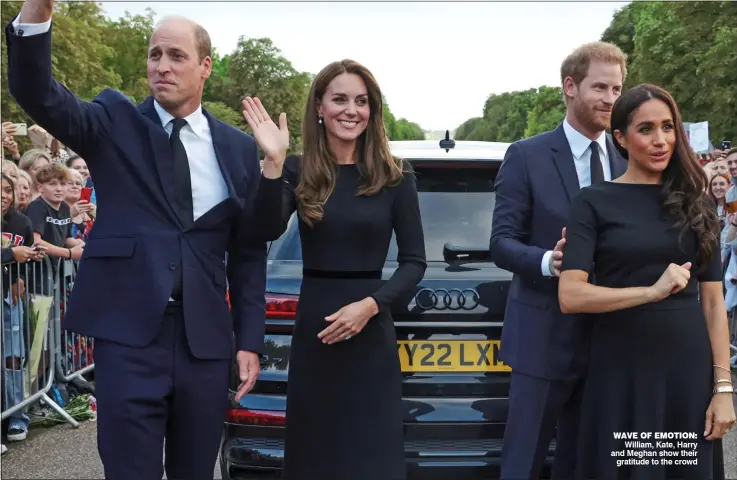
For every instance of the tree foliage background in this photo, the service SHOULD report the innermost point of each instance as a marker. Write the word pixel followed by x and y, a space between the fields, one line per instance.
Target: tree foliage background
pixel 688 48
pixel 91 52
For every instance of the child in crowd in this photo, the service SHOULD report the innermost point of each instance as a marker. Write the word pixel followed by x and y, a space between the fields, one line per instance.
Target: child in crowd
pixel 51 219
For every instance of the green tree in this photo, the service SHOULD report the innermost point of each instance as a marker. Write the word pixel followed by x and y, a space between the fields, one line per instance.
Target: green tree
pixel 464 129
pixel 225 114
pixel 547 112
pixel 91 52
pixel 510 116
pixel 400 129
pixel 406 130
pixel 257 68
pixel 621 32
pixel 690 49
pixel 218 86
pixel 78 54
pixel 129 39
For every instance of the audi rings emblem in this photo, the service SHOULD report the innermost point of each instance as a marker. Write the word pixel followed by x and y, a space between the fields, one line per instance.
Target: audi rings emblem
pixel 452 299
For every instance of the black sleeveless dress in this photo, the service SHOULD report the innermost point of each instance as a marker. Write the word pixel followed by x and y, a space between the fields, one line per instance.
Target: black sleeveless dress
pixel 650 368
pixel 344 401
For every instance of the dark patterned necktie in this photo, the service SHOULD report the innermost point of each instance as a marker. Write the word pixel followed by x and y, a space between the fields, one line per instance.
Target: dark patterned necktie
pixel 181 174
pixel 597 171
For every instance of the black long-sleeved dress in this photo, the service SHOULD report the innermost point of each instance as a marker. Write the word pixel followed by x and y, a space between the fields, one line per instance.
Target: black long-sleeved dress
pixel 650 367
pixel 344 401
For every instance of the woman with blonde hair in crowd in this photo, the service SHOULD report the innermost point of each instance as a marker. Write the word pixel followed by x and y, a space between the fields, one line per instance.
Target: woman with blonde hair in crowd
pixel 30 162
pixel 23 189
pixel 10 169
pixel 82 211
pixel 344 399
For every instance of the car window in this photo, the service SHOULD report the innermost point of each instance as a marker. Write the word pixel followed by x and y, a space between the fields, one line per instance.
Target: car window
pixel 456 205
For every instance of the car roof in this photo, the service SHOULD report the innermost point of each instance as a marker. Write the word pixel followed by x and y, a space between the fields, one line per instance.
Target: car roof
pixel 463 150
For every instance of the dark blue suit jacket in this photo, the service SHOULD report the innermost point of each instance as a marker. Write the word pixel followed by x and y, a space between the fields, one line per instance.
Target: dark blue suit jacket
pixel 534 189
pixel 138 243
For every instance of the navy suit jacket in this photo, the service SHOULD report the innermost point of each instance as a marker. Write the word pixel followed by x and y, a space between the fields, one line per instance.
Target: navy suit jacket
pixel 138 243
pixel 534 189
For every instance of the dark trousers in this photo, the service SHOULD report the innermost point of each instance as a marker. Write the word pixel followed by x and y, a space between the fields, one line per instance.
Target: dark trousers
pixel 536 405
pixel 160 391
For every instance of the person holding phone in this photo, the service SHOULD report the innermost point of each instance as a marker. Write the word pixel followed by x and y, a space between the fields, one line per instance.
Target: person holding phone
pixel 9 130
pixel 82 211
pixel 17 249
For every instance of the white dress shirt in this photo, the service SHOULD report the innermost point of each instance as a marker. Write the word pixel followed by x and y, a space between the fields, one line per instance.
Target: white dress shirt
pixel 208 185
pixel 581 149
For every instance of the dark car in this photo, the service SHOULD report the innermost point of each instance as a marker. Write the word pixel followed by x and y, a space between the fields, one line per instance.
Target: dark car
pixel 455 386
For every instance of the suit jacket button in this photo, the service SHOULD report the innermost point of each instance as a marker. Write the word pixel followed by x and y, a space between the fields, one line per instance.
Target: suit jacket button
pixel 172 266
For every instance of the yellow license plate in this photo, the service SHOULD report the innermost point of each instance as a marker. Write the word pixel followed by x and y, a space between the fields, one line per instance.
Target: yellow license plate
pixel 450 356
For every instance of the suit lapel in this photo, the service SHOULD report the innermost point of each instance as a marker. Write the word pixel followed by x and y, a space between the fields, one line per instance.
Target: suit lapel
pixel 563 159
pixel 223 153
pixel 161 154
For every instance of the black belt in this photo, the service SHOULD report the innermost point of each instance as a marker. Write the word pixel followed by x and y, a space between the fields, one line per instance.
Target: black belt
pixel 354 274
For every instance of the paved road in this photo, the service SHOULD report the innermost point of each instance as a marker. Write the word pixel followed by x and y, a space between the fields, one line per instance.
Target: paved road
pixel 60 452
pixel 63 452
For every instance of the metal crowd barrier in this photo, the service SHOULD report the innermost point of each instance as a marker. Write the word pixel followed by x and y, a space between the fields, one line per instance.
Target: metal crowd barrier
pixel 30 337
pixel 75 352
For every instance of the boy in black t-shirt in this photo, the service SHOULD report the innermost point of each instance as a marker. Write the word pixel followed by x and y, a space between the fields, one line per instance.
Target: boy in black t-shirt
pixel 51 218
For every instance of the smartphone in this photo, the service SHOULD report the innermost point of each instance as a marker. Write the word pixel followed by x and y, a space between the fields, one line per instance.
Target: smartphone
pixel 20 129
pixel 86 194
pixel 726 145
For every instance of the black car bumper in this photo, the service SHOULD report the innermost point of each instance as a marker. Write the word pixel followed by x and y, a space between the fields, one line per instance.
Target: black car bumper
pixel 252 452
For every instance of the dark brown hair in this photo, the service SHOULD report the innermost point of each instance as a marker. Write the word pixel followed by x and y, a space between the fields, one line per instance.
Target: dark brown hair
pixel 684 180
pixel 377 166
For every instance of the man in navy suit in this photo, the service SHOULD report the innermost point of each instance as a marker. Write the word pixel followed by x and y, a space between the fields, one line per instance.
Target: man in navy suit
pixel 539 177
pixel 178 222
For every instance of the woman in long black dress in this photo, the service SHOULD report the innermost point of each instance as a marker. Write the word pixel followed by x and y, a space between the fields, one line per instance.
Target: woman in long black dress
pixel 344 399
pixel 659 355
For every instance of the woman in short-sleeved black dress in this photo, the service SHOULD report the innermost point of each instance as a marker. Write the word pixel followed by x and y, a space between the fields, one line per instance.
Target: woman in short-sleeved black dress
pixel 344 398
pixel 652 359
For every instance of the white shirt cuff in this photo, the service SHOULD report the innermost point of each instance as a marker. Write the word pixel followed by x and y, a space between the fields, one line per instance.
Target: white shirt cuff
pixel 545 266
pixel 28 29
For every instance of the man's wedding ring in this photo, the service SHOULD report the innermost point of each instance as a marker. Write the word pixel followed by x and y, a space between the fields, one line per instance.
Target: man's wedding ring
pixel 347 337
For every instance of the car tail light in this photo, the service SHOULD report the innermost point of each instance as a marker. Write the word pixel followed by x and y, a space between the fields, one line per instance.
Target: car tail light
pixel 282 307
pixel 265 418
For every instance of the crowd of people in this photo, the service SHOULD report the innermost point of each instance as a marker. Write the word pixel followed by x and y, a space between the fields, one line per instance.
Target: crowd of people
pixel 721 169
pixel 48 208
pixel 612 189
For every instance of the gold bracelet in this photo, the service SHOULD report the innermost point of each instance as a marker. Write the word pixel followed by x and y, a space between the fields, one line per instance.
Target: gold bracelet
pixel 729 389
pixel 723 380
pixel 723 368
